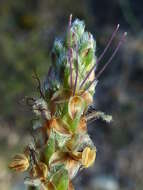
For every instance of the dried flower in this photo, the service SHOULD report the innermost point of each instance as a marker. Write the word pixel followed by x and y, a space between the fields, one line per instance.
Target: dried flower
pixel 20 163
pixel 88 157
pixel 39 170
pixel 75 106
pixel 69 159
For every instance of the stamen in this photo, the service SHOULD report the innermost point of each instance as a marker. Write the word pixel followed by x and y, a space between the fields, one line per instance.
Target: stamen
pixel 101 56
pixel 70 61
pixel 75 84
pixel 109 61
pixel 70 50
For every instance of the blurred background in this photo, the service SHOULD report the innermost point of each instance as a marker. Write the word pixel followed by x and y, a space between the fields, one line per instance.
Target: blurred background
pixel 27 31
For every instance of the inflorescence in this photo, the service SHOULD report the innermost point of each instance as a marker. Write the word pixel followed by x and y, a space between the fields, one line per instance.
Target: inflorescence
pixel 61 145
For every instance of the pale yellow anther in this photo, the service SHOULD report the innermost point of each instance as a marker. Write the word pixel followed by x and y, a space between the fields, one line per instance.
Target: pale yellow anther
pixel 88 157
pixel 20 163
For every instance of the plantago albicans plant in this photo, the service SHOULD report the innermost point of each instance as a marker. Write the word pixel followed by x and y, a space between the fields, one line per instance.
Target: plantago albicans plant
pixel 62 145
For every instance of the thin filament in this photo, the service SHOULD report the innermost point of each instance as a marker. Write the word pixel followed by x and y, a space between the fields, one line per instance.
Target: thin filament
pixel 101 56
pixel 70 61
pixel 75 84
pixel 109 61
pixel 70 50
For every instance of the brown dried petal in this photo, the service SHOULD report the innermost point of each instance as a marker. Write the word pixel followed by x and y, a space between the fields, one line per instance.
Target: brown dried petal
pixel 82 127
pixel 70 160
pixel 59 126
pixel 33 172
pixel 39 170
pixel 75 106
pixel 73 167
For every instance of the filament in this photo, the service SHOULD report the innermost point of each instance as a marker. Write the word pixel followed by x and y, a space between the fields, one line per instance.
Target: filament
pixel 75 84
pixel 70 50
pixel 70 61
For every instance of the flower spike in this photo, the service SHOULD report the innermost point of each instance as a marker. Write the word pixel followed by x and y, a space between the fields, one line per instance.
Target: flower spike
pixel 62 145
